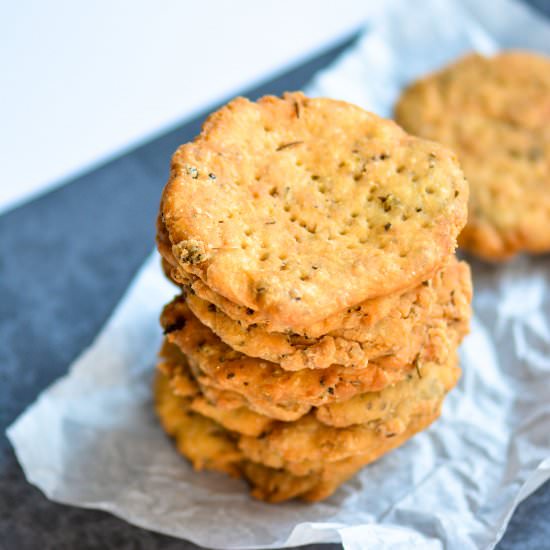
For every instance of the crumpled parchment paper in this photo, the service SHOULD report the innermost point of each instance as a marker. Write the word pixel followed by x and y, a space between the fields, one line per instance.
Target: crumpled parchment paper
pixel 91 439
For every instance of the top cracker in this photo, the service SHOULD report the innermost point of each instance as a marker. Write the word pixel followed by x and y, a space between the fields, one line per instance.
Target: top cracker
pixel 494 112
pixel 302 207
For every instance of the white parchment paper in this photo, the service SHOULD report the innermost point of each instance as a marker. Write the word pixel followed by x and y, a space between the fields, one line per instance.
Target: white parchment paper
pixel 91 439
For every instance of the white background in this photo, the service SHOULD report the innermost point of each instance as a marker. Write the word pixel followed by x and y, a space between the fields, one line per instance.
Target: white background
pixel 81 81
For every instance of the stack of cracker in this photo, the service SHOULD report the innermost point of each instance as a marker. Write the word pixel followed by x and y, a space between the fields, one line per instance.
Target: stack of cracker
pixel 321 303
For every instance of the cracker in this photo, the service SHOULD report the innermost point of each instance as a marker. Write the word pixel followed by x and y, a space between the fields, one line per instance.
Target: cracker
pixel 277 485
pixel 301 213
pixel 175 367
pixel 398 337
pixel 173 364
pixel 495 114
pixel 336 473
pixel 304 446
pixel 390 408
pixel 366 313
pixel 241 420
pixel 269 389
pixel 209 446
pixel 204 442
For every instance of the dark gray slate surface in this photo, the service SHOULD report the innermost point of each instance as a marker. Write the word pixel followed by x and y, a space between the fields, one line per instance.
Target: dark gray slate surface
pixel 65 260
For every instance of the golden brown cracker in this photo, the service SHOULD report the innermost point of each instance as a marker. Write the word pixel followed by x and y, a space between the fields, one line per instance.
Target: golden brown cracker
pixel 367 313
pixel 301 212
pixel 241 420
pixel 336 473
pixel 306 445
pixel 494 112
pixel 269 389
pixel 209 446
pixel 392 407
pixel 204 442
pixel 398 336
